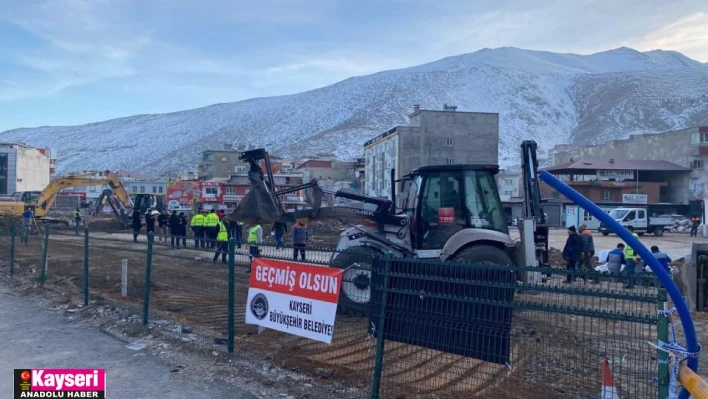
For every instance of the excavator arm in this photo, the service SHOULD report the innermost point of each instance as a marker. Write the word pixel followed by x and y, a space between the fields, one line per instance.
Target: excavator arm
pixel 262 203
pixel 49 195
pixel 533 208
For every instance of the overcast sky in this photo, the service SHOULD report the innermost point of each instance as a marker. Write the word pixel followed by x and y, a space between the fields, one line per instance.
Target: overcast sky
pixel 77 61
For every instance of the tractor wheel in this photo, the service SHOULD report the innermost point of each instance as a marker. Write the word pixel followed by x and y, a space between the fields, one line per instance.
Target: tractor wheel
pixel 482 254
pixel 659 231
pixel 356 279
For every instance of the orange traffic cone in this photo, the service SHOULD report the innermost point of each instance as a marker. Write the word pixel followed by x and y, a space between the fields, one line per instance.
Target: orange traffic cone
pixel 608 386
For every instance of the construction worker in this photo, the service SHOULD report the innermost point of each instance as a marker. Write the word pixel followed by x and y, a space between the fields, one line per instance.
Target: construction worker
pixel 182 229
pixel 211 224
pixel 615 260
pixel 149 222
pixel 572 253
pixel 662 257
pixel 137 224
pixel 27 218
pixel 163 224
pixel 222 242
pixel 174 229
pixel 588 250
pixel 632 259
pixel 77 220
pixel 236 231
pixel 300 237
pixel 197 224
pixel 255 237
pixel 279 229
pixel 695 222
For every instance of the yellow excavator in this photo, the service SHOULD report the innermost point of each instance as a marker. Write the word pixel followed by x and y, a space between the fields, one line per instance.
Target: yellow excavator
pixel 41 201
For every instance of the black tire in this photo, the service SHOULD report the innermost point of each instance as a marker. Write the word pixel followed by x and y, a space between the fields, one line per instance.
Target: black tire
pixel 659 231
pixel 604 233
pixel 483 253
pixel 354 300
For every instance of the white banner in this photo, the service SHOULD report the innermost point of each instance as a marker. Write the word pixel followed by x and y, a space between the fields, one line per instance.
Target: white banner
pixel 618 175
pixel 634 198
pixel 294 298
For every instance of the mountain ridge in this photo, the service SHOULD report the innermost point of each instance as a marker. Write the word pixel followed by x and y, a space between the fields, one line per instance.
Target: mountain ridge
pixel 550 97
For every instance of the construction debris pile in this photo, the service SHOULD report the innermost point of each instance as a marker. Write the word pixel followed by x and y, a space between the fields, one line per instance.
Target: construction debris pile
pixel 683 225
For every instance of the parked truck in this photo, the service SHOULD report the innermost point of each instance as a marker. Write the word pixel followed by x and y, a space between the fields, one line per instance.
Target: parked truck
pixel 639 219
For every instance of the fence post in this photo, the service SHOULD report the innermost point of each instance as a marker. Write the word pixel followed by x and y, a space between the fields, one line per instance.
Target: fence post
pixel 232 292
pixel 662 332
pixel 86 267
pixel 12 249
pixel 378 362
pixel 148 273
pixel 45 251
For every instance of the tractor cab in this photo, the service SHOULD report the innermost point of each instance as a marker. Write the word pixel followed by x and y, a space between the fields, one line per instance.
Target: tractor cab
pixel 442 200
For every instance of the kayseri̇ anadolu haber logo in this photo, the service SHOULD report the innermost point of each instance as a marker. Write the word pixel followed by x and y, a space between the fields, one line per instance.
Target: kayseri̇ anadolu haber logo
pixel 60 383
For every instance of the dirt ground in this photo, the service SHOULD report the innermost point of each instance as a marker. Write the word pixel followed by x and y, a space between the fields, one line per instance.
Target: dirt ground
pixel 187 290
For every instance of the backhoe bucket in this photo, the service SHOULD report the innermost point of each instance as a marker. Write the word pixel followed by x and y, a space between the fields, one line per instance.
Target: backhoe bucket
pixel 257 206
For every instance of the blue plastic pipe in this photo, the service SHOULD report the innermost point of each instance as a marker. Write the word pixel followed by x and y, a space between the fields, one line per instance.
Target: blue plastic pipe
pixel 682 309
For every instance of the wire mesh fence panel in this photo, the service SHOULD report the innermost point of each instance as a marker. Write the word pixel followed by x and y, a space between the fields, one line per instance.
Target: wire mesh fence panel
pixel 457 330
pixel 6 232
pixel 191 289
pixel 106 260
pixel 28 253
pixel 348 359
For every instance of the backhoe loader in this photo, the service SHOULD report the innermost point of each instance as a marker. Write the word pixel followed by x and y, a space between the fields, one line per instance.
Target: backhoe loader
pixel 448 212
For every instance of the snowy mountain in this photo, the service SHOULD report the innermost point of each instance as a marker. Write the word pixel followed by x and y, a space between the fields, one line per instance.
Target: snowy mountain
pixel 549 97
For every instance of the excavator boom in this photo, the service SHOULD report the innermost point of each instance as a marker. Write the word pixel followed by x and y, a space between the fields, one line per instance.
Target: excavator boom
pixel 49 195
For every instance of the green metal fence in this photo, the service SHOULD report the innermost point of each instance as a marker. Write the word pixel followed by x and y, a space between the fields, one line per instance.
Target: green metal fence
pixel 404 329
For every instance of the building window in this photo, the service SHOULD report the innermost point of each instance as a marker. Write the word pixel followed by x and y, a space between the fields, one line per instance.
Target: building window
pixel 159 189
pixel 608 195
pixel 586 216
pixel 223 159
pixel 449 161
pixel 135 189
pixel 211 191
pixel 697 163
pixel 448 141
pixel 231 190
pixel 92 189
pixel 699 138
pixel 142 189
pixel 509 193
pixel 154 190
pixel 508 181
pixel 240 169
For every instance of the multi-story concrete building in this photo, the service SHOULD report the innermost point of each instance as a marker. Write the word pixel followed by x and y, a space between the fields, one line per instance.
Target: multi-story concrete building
pixel 22 168
pixel 146 187
pixel 221 164
pixel 238 185
pixel 327 172
pixel 687 148
pixel 508 183
pixel 431 138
